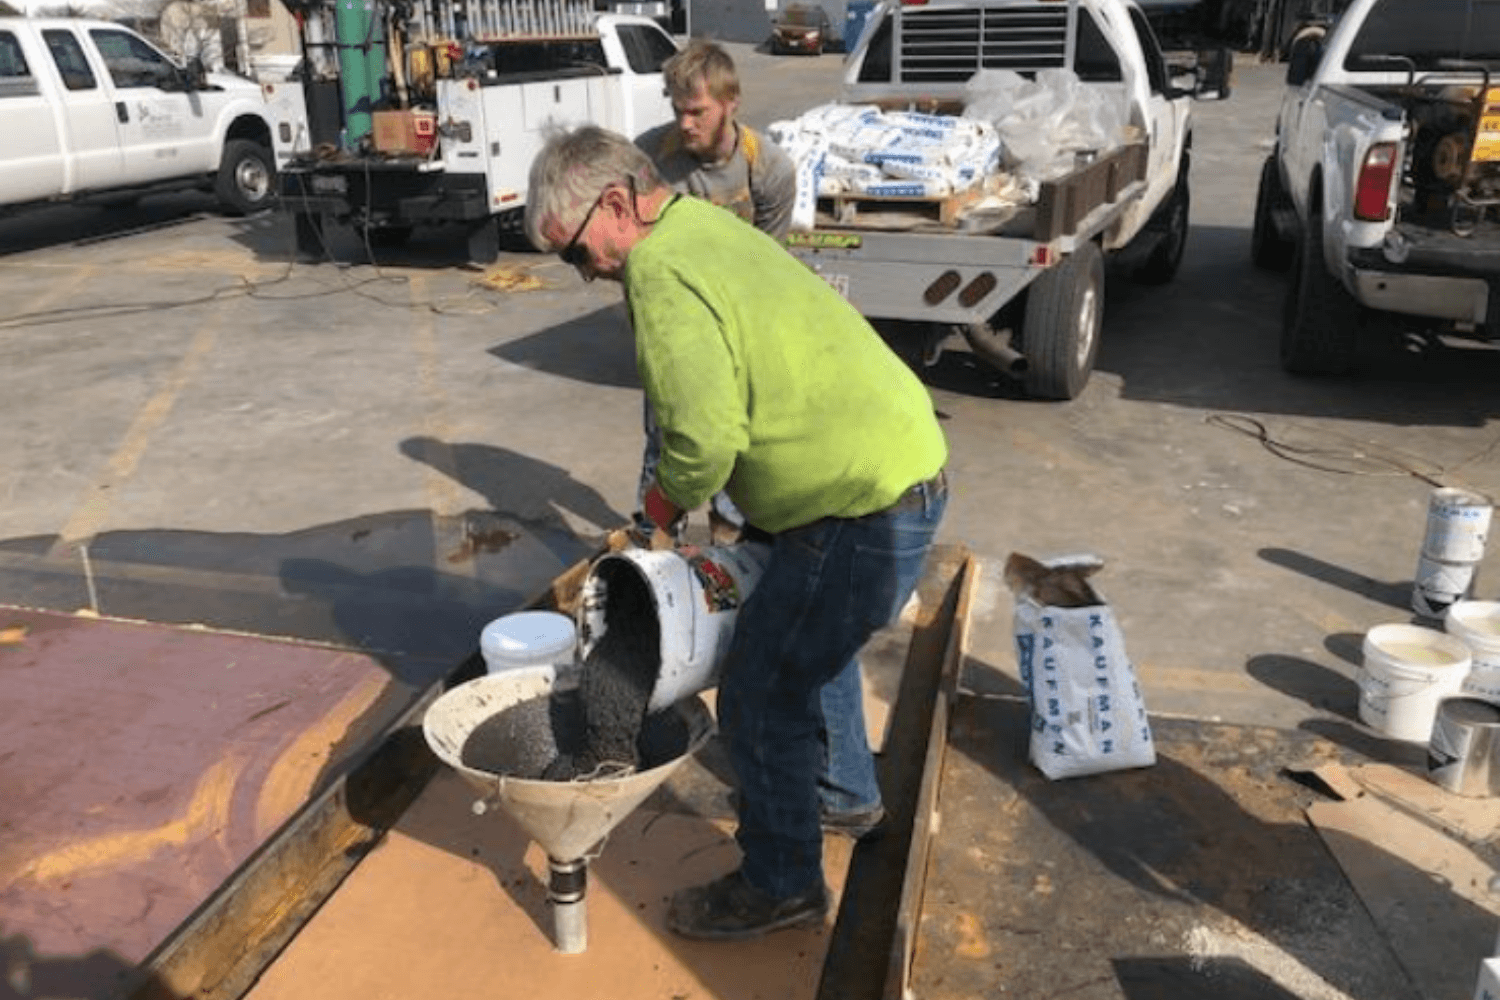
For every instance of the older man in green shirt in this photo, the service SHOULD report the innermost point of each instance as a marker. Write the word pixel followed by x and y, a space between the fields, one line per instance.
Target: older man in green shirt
pixel 770 386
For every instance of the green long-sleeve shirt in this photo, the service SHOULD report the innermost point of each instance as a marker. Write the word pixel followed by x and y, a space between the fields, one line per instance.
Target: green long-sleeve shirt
pixel 765 382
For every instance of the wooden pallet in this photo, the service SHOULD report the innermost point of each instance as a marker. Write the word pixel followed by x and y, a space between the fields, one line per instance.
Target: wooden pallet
pixel 862 211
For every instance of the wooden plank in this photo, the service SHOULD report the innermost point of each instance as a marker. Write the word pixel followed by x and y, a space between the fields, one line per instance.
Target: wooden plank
pixel 1427 892
pixel 861 948
pixel 1063 203
pixel 928 816
pixel 1475 820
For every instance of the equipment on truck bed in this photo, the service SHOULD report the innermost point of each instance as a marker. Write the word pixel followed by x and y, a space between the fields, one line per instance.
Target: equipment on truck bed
pixel 430 111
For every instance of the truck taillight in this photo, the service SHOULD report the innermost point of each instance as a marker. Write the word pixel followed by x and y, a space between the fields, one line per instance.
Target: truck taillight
pixel 1372 194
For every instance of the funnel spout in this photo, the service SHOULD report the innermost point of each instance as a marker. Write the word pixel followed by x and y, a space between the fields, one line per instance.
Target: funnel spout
pixel 566 888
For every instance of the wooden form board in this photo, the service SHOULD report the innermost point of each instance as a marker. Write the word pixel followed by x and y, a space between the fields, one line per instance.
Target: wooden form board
pixel 1427 891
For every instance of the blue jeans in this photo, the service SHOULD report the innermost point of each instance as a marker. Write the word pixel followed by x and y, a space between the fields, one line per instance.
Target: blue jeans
pixel 827 588
pixel 846 778
pixel 847 782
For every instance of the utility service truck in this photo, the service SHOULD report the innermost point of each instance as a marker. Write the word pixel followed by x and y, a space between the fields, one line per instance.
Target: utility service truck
pixel 1382 193
pixel 985 157
pixel 91 110
pixel 431 111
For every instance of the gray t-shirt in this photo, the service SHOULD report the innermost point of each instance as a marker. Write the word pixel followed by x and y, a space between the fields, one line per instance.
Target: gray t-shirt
pixel 758 182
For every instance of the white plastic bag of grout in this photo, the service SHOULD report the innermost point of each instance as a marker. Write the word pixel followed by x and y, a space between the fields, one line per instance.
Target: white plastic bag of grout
pixel 1087 713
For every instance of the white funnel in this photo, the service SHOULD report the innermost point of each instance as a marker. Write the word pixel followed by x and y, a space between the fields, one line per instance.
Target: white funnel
pixel 567 818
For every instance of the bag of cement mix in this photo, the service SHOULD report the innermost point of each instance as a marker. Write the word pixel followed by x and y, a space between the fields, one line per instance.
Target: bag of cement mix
pixel 1087 713
pixel 858 149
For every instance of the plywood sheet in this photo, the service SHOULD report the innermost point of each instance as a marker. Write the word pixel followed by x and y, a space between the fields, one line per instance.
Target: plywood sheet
pixel 1426 891
pixel 455 905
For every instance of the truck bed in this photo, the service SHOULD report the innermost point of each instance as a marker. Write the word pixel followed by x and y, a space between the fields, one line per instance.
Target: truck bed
pixel 1060 208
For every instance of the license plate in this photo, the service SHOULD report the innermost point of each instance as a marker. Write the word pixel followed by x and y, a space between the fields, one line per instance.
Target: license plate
pixel 330 185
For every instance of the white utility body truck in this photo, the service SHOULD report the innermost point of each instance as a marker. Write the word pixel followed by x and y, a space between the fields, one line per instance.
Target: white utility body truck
pixel 431 111
pixel 90 109
pixel 1383 191
pixel 1024 285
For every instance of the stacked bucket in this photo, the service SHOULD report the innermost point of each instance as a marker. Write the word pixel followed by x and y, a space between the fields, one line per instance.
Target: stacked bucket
pixel 1442 688
pixel 1457 523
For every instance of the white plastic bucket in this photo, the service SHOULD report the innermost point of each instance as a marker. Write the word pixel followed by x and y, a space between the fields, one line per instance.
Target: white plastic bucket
pixel 1439 585
pixel 696 601
pixel 1477 625
pixel 529 639
pixel 1458 522
pixel 1406 671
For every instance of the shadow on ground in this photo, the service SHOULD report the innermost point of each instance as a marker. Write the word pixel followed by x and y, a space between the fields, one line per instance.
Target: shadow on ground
pixel 1210 340
pixel 1204 858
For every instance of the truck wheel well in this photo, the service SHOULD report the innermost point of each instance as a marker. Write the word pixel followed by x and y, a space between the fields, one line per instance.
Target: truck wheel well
pixel 249 127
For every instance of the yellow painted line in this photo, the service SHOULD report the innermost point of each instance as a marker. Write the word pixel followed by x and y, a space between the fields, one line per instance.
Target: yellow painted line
pixel 291 778
pixel 91 514
pixel 64 290
pixel 443 494
pixel 207 814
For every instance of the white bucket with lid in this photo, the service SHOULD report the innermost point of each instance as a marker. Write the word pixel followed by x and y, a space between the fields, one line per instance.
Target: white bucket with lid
pixel 1406 671
pixel 529 639
pixel 1458 522
pixel 696 600
pixel 1477 625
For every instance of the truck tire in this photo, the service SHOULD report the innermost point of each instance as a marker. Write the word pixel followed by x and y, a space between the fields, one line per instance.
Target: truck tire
pixel 1161 266
pixel 1060 334
pixel 1321 319
pixel 1268 248
pixel 246 181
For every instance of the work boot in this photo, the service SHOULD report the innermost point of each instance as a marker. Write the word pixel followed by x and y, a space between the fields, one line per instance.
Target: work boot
pixel 731 909
pixel 859 825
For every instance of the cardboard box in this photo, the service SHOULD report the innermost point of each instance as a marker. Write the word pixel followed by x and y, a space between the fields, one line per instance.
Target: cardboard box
pixel 405 132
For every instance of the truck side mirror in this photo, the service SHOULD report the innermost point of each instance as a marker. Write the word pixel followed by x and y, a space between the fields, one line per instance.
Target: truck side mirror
pixel 195 76
pixel 1215 68
pixel 1302 62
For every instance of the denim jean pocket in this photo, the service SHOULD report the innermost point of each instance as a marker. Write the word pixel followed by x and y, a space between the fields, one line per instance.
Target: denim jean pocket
pixel 882 577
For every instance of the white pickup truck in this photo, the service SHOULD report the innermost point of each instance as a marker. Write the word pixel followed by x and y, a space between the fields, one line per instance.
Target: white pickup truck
pixel 454 109
pixel 91 109
pixel 1383 191
pixel 1024 286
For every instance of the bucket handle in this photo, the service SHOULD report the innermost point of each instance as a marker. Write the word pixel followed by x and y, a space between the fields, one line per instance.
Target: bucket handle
pixel 1420 682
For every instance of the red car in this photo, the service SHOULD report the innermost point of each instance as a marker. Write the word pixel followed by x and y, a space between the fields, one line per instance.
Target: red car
pixel 801 27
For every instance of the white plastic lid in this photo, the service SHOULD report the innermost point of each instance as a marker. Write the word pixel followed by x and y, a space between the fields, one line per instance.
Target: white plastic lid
pixel 527 637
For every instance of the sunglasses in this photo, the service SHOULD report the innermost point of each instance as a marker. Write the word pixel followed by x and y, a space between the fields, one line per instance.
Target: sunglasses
pixel 575 255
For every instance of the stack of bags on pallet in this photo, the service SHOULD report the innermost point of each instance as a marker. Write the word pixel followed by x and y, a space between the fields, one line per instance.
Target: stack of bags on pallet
pixel 861 150
pixel 1034 129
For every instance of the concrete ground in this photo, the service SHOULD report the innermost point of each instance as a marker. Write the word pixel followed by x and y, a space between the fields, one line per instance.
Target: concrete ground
pixel 386 457
pixel 389 455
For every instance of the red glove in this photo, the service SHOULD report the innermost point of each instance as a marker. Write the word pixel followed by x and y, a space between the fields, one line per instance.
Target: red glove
pixel 662 511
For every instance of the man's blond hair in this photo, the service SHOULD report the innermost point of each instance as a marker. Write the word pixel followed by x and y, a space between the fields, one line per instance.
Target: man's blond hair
pixel 702 62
